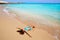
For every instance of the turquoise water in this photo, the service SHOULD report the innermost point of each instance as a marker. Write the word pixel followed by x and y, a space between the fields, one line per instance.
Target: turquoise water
pixel 47 10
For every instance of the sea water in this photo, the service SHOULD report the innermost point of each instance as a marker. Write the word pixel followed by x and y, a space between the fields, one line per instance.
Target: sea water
pixel 49 11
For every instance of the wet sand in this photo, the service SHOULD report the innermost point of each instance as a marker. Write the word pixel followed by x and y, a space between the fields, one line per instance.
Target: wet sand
pixel 8 28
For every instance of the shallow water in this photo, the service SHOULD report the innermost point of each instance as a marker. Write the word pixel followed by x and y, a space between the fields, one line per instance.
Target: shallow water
pixel 49 11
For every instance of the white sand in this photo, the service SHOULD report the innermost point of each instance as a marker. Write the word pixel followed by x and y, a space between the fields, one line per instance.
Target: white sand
pixel 8 31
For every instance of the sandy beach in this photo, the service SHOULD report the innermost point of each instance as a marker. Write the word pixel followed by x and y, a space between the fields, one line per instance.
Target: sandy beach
pixel 10 23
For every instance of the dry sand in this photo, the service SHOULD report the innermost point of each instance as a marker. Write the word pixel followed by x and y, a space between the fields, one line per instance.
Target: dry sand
pixel 8 28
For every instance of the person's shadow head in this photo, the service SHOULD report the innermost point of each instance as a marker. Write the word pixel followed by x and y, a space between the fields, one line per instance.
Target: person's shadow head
pixel 21 31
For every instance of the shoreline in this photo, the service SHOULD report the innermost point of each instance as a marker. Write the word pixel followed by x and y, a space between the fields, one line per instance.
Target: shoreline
pixel 9 24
